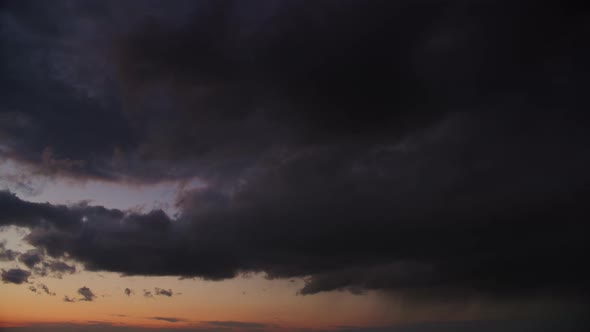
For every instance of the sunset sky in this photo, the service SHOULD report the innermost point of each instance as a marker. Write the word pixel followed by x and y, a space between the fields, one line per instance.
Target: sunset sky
pixel 294 165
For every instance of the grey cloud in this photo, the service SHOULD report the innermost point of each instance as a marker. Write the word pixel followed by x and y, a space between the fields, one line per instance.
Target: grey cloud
pixel 168 319
pixel 46 289
pixel 128 291
pixel 87 294
pixel 7 255
pixel 163 292
pixel 15 276
pixel 68 299
pixel 31 258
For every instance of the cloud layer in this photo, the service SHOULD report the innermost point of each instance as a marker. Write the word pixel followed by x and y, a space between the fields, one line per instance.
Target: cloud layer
pixel 423 147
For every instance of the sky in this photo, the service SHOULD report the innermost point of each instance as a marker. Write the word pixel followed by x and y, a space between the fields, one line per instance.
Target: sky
pixel 294 165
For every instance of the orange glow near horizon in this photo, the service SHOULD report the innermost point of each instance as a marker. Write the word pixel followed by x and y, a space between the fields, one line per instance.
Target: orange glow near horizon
pixel 195 302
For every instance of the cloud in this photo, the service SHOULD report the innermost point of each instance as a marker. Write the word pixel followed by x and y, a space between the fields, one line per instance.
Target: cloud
pixel 45 289
pixel 31 258
pixel 60 267
pixel 7 255
pixel 168 319
pixel 87 294
pixel 15 276
pixel 147 293
pixel 129 291
pixel 68 299
pixel 353 75
pixel 163 292
pixel 443 152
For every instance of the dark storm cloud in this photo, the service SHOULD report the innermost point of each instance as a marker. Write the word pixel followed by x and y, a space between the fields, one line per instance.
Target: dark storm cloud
pixel 213 91
pixel 15 276
pixel 163 292
pixel 87 294
pixel 425 147
pixel 56 89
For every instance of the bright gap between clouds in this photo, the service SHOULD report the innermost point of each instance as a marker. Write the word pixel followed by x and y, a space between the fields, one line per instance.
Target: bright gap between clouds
pixel 123 196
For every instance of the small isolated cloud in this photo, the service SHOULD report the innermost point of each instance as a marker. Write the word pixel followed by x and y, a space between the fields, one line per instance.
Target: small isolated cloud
pixel 68 299
pixel 15 276
pixel 235 324
pixel 169 319
pixel 147 293
pixel 163 292
pixel 33 289
pixel 129 291
pixel 87 294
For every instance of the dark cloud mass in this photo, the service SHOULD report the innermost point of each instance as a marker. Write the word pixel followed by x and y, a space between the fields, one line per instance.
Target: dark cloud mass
pixel 423 147
pixel 31 258
pixel 15 276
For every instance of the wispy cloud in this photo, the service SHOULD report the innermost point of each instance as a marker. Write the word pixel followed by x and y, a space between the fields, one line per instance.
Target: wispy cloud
pixel 169 319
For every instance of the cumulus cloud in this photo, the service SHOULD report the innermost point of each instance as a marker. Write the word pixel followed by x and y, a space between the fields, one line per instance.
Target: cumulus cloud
pixel 15 276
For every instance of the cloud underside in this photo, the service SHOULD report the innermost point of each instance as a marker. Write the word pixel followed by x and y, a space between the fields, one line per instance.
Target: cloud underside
pixel 444 151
